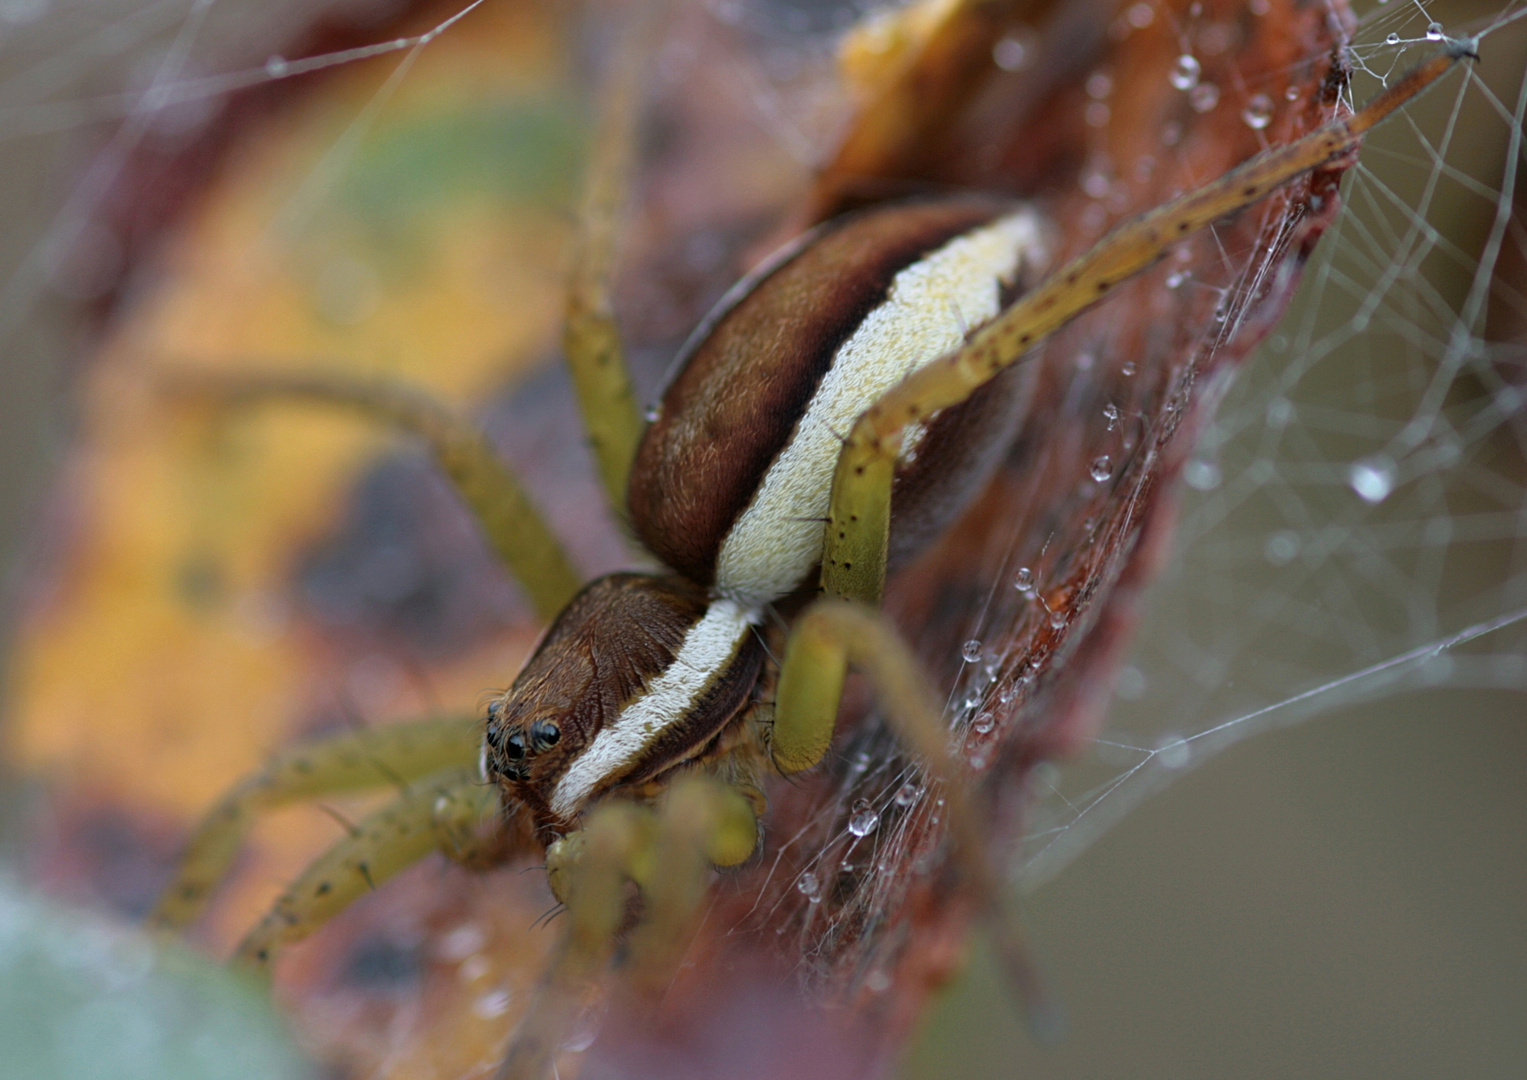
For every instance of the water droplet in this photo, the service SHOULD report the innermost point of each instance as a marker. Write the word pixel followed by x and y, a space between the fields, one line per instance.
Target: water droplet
pixel 1131 683
pixel 1096 114
pixel 877 981
pixel 1281 547
pixel 1171 133
pixel 1175 279
pixel 1258 112
pixel 971 652
pixel 907 794
pixel 1434 32
pixel 983 724
pixel 1010 54
pixel 1201 475
pixel 1280 412
pixel 1099 85
pixel 1102 468
pixel 1392 38
pixel 1203 97
pixel 1096 184
pixel 276 67
pixel 809 887
pixel 466 940
pixel 652 413
pixel 1291 94
pixel 1111 414
pixel 1128 368
pixel 1023 580
pixel 494 1003
pixel 1140 15
pixel 864 819
pixel 585 1031
pixel 1084 361
pixel 1185 72
pixel 1057 619
pixel 1373 479
pixel 1172 751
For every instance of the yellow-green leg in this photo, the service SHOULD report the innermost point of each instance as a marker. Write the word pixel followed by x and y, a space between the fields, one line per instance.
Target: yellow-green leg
pixel 667 851
pixel 853 561
pixel 590 337
pixel 440 812
pixel 513 525
pixel 396 754
pixel 701 823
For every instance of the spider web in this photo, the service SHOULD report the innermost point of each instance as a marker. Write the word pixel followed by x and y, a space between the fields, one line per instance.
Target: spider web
pixel 1354 526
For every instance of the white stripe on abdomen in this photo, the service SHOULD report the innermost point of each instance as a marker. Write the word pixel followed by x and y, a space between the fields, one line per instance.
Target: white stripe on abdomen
pixel 928 310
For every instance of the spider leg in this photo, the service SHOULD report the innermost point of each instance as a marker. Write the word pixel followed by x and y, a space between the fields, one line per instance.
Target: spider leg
pixel 702 822
pixel 514 527
pixel 857 535
pixel 667 851
pixel 588 871
pixel 439 812
pixel 396 754
pixel 590 338
pixel 828 637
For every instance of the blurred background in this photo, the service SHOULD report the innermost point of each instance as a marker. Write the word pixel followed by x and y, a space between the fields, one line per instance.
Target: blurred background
pixel 1340 895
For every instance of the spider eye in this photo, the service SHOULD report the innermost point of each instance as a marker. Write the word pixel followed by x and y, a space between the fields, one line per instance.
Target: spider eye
pixel 544 734
pixel 514 746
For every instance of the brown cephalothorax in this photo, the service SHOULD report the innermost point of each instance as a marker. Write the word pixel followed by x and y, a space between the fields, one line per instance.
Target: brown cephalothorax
pixel 609 649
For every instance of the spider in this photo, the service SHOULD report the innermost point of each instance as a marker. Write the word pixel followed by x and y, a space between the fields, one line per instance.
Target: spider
pixel 862 371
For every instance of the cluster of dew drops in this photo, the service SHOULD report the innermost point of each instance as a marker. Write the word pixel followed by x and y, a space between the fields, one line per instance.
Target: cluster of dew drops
pixel 1016 52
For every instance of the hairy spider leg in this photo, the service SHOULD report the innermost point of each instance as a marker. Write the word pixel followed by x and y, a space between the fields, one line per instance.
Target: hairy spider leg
pixel 668 851
pixel 513 525
pixel 442 812
pixel 591 342
pixel 397 754
pixel 858 526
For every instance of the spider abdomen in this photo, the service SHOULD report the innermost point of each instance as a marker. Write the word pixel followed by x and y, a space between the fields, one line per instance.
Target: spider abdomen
pixel 731 481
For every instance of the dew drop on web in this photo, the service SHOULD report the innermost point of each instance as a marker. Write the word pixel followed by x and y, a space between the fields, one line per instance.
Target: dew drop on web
pixel 864 819
pixel 1258 112
pixel 1373 479
pixel 809 887
pixel 1185 71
